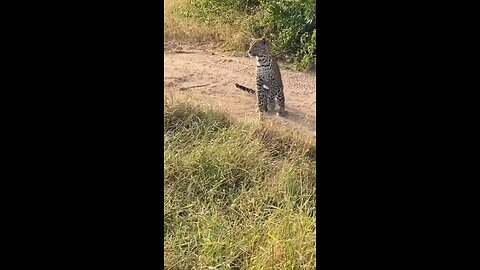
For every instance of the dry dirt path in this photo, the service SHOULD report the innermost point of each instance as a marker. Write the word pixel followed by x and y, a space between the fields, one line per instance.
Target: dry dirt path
pixel 207 78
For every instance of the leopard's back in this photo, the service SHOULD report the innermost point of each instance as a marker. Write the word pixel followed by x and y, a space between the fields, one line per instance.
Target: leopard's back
pixel 276 75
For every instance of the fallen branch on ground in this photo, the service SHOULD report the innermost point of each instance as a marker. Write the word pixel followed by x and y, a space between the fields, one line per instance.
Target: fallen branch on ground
pixel 194 86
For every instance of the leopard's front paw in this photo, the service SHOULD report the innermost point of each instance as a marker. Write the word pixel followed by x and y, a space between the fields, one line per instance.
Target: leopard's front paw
pixel 282 113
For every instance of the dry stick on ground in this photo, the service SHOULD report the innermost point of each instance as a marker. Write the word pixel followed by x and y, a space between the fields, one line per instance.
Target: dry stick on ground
pixel 186 88
pixel 182 51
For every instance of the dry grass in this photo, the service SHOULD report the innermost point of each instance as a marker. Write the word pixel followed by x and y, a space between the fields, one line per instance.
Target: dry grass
pixel 181 30
pixel 236 196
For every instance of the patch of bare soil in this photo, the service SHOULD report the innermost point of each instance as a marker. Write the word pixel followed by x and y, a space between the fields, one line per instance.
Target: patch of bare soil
pixel 207 78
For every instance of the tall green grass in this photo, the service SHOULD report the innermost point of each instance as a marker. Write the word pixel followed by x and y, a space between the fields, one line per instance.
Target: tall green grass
pixel 237 196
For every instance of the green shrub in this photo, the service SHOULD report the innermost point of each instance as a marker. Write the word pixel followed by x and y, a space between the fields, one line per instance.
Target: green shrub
pixel 291 26
pixel 308 56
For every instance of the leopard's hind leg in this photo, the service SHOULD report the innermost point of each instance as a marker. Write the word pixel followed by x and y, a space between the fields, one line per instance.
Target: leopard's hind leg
pixel 281 103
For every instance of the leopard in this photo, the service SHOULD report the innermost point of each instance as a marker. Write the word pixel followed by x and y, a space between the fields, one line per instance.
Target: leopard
pixel 268 78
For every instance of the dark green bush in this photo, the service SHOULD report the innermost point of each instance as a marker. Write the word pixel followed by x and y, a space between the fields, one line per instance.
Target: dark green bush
pixel 308 56
pixel 291 26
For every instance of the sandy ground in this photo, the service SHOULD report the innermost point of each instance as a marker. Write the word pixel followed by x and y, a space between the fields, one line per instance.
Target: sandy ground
pixel 207 78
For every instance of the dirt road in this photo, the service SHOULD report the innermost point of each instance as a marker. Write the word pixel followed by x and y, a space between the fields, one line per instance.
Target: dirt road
pixel 207 78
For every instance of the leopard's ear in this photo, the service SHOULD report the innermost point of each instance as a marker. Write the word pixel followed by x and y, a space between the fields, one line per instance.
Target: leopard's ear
pixel 266 38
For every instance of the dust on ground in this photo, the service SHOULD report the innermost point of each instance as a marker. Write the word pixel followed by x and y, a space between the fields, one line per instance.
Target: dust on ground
pixel 207 77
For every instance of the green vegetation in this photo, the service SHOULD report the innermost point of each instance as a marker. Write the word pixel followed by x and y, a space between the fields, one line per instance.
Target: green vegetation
pixel 289 24
pixel 237 196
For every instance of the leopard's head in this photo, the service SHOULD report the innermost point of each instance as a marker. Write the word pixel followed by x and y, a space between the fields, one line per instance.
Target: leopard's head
pixel 259 47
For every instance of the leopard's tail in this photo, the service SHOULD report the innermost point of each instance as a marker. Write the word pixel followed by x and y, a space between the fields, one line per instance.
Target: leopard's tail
pixel 246 89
